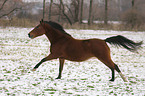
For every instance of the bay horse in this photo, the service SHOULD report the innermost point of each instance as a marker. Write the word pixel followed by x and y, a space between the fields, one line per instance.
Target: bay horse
pixel 65 47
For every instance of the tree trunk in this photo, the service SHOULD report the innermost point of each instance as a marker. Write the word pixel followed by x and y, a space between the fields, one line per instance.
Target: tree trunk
pixel 81 13
pixel 106 12
pixel 132 3
pixel 77 5
pixel 43 9
pixel 49 15
pixel 60 13
pixel 90 12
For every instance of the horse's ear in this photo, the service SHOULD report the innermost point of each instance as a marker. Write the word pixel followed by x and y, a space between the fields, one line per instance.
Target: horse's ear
pixel 41 21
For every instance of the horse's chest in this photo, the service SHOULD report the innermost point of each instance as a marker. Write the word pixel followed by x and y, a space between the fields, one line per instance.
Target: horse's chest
pixel 56 49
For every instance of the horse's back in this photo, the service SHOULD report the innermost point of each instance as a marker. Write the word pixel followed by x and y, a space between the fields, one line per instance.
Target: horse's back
pixel 80 50
pixel 98 44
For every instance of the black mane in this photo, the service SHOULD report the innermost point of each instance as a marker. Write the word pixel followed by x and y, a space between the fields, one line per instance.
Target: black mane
pixel 56 26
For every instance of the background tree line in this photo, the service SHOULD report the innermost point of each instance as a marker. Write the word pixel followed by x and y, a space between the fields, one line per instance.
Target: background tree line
pixel 129 12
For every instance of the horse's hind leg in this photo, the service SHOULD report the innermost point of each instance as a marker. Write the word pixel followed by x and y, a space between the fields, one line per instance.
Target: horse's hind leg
pixel 113 73
pixel 114 67
pixel 106 59
pixel 103 54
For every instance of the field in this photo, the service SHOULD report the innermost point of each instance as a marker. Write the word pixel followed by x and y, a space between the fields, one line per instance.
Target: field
pixel 19 54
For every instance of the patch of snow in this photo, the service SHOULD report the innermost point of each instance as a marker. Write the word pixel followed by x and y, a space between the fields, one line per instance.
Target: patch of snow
pixel 19 55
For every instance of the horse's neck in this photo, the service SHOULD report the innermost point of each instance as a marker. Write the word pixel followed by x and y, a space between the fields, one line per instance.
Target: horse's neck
pixel 53 36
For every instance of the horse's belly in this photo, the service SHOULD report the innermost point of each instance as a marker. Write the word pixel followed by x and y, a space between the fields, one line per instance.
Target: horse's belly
pixel 78 56
pixel 78 59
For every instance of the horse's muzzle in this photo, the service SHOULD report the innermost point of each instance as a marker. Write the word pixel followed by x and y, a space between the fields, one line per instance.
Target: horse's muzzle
pixel 30 36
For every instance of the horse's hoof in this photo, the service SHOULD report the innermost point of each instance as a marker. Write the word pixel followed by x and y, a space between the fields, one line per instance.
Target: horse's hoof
pixel 112 80
pixel 33 69
pixel 58 78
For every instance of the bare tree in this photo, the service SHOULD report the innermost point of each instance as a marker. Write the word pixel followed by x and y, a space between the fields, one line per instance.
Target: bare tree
pixel 60 12
pixel 75 6
pixel 81 11
pixel 63 12
pixel 43 9
pixel 106 12
pixel 10 10
pixel 132 3
pixel 50 7
pixel 90 12
pixel 3 4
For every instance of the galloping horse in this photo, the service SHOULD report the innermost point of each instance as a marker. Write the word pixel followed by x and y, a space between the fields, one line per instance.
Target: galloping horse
pixel 65 47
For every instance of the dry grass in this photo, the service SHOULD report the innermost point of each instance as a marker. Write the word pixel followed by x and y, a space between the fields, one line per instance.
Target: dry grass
pixel 15 22
pixel 86 26
pixel 101 26
pixel 132 19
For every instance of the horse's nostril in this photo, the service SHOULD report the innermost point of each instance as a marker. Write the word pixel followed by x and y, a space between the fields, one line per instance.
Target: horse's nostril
pixel 29 35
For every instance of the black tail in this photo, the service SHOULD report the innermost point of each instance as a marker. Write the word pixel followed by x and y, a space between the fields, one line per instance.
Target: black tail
pixel 124 42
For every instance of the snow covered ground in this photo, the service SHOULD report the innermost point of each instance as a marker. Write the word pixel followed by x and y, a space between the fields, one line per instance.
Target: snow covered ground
pixel 19 54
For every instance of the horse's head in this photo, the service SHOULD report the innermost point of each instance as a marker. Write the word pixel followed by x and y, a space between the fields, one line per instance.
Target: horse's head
pixel 37 31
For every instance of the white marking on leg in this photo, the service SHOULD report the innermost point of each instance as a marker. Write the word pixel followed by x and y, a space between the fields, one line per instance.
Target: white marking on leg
pixel 122 76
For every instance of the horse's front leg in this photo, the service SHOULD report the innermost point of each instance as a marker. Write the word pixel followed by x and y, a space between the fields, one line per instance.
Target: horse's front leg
pixel 49 57
pixel 61 63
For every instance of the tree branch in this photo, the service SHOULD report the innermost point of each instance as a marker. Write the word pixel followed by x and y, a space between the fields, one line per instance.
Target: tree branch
pixel 63 11
pixel 3 4
pixel 70 11
pixel 9 12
